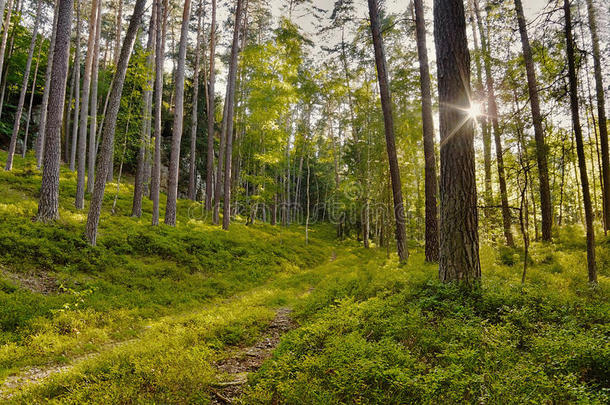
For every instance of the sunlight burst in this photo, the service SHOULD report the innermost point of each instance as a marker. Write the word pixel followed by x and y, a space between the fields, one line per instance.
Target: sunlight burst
pixel 475 110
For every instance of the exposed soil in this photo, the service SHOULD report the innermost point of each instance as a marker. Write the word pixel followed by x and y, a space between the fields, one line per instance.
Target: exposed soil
pixel 234 370
pixel 34 375
pixel 38 282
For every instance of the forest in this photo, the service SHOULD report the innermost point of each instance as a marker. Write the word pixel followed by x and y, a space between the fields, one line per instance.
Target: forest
pixel 304 202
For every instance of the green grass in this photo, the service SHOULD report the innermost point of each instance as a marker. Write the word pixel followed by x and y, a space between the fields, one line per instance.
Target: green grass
pixel 158 306
pixel 136 273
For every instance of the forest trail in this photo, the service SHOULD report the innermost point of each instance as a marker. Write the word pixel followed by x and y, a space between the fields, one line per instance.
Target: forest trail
pixel 35 375
pixel 244 360
pixel 230 365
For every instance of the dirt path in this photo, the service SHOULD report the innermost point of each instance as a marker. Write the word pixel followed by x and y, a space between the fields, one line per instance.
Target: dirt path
pixel 234 369
pixel 34 375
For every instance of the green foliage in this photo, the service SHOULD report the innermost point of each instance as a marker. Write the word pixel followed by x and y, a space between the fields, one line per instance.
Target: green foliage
pixel 412 340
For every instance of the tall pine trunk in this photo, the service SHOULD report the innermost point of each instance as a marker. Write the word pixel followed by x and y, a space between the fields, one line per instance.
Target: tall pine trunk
pixel 227 122
pixel 601 111
pixel 84 110
pixel 388 120
pixel 76 118
pixel 94 80
pixel 110 120
pixel 459 239
pixel 541 149
pixel 138 189
pixel 193 152
pixel 431 186
pixel 211 113
pixel 28 119
pixel 174 161
pixel 493 113
pixel 24 90
pixel 580 149
pixel 40 140
pixel 48 206
pixel 159 62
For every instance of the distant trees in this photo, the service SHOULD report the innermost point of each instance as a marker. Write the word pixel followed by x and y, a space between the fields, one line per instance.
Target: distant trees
pixel 319 136
pixel 24 88
pixel 459 239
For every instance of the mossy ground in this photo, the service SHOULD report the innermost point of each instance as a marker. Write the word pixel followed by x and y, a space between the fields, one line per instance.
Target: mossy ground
pixel 371 331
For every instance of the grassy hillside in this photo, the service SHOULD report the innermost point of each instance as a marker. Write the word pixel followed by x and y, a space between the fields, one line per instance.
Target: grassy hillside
pixel 146 316
pixel 60 297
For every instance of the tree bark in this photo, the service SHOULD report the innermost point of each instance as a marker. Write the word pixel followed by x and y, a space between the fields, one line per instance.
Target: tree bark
pixel 7 23
pixel 138 189
pixel 211 113
pixel 84 110
pixel 388 120
pixel 582 162
pixel 227 122
pixel 40 140
pixel 601 111
pixel 541 149
pixel 431 185
pixel 110 120
pixel 192 181
pixel 76 118
pixel 24 90
pixel 119 26
pixel 159 56
pixel 174 162
pixel 48 206
pixel 32 93
pixel 459 239
pixel 94 79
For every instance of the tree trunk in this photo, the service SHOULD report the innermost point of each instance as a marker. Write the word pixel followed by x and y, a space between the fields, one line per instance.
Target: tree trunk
pixel 7 23
pixel 32 92
pixel 428 129
pixel 459 239
pixel 94 79
pixel 486 133
pixel 2 7
pixel 48 206
pixel 582 162
pixel 40 140
pixel 386 104
pixel 192 181
pixel 24 90
pixel 18 11
pixel 159 56
pixel 138 188
pixel 601 111
pixel 84 110
pixel 174 162
pixel 119 26
pixel 110 120
pixel 211 112
pixel 541 149
pixel 227 122
pixel 76 118
pixel 67 113
pixel 493 113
